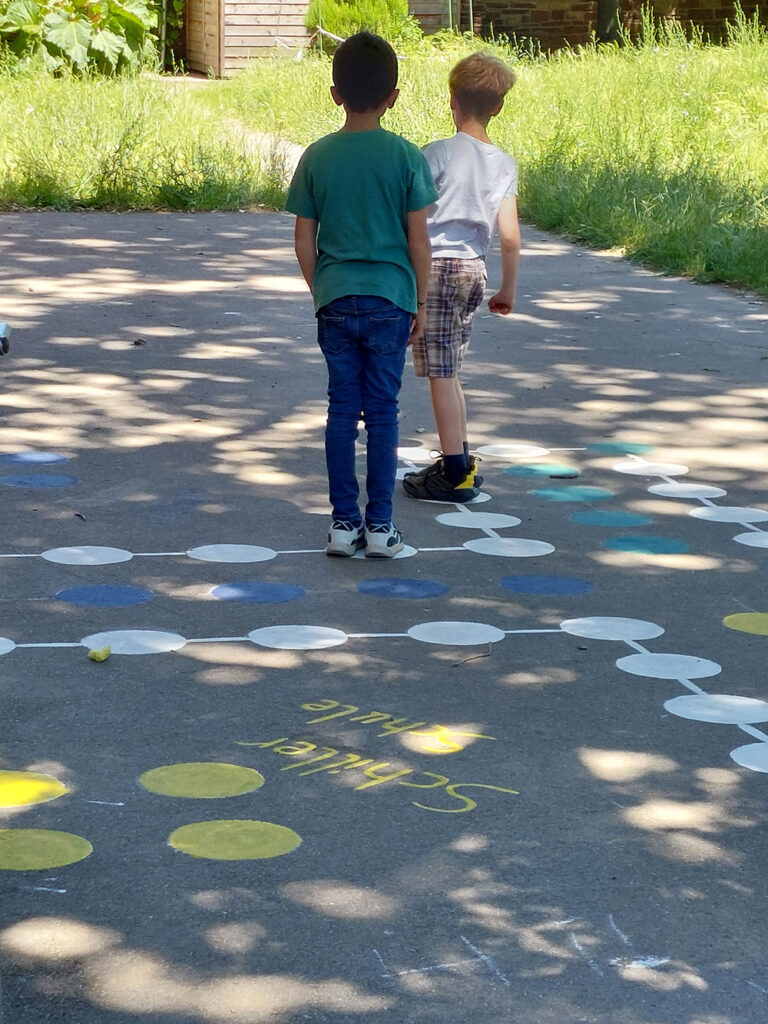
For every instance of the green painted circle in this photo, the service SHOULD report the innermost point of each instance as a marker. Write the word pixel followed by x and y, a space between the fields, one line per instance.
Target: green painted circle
pixel 234 840
pixel 206 780
pixel 755 623
pixel 38 849
pixel 21 789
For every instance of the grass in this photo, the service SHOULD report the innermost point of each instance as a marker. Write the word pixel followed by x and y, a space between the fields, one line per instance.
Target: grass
pixel 656 148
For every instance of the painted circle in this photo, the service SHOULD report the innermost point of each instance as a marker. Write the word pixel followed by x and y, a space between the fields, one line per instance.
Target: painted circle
pixel 102 595
pixel 297 638
pixel 752 755
pixel 755 623
pixel 513 451
pixel 202 780
pixel 643 468
pixel 34 458
pixel 87 555
pixel 546 585
pixel 619 448
pixel 752 540
pixel 647 545
pixel 575 493
pixel 407 551
pixel 508 547
pixel 416 454
pixel 678 490
pixel 38 849
pixel 37 480
pixel 135 641
pixel 478 520
pixel 456 634
pixel 730 514
pixel 668 666
pixel 258 593
pixel 6 645
pixel 236 839
pixel 231 553
pixel 606 518
pixel 726 708
pixel 402 588
pixel 610 627
pixel 479 499
pixel 21 789
pixel 553 469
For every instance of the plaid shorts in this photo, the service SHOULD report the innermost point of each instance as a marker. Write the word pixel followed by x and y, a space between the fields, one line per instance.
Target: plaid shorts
pixel 456 289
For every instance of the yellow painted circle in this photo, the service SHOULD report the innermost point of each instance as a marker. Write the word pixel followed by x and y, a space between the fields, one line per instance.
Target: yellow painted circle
pixel 748 622
pixel 206 780
pixel 36 849
pixel 19 789
pixel 234 840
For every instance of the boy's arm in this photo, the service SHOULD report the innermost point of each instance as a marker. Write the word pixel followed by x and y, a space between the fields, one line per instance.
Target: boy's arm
pixel 509 235
pixel 420 253
pixel 305 244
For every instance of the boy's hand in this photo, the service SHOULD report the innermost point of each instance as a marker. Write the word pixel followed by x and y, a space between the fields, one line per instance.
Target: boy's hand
pixel 419 325
pixel 501 302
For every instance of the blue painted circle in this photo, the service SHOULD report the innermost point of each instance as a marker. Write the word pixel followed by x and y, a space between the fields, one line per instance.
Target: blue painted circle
pixel 546 585
pixel 258 593
pixel 619 447
pixel 542 469
pixel 34 458
pixel 104 595
pixel 574 493
pixel 648 545
pixel 37 480
pixel 402 588
pixel 599 518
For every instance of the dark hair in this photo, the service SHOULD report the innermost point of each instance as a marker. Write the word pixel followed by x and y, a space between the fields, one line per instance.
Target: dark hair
pixel 364 71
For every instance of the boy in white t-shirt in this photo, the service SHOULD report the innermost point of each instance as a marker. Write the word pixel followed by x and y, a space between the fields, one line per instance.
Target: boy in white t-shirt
pixel 477 190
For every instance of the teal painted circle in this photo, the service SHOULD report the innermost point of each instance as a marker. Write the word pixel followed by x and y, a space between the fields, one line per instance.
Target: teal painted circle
pixel 618 518
pixel 574 493
pixel 617 447
pixel 542 469
pixel 648 545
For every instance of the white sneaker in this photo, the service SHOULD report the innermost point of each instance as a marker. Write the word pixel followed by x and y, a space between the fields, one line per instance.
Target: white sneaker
pixel 382 540
pixel 344 539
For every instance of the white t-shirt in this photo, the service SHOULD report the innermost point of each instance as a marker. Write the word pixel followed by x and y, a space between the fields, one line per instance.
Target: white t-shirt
pixel 472 178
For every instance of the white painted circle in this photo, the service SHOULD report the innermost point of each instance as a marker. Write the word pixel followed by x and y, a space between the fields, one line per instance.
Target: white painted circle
pixel 481 498
pixel 406 552
pixel 752 540
pixel 135 641
pixel 641 468
pixel 727 708
pixel 6 645
pixel 231 553
pixel 752 755
pixel 478 520
pixel 730 514
pixel 87 555
pixel 668 666
pixel 610 627
pixel 419 454
pixel 678 490
pixel 513 451
pixel 456 634
pixel 297 638
pixel 508 547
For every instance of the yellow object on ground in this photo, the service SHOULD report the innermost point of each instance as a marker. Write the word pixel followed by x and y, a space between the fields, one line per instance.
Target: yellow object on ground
pixel 101 655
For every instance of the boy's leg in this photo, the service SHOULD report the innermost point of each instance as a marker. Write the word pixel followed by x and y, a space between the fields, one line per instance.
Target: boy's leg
pixel 385 329
pixel 337 337
pixel 450 412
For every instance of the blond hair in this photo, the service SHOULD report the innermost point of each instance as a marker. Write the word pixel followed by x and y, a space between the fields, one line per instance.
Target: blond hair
pixel 479 83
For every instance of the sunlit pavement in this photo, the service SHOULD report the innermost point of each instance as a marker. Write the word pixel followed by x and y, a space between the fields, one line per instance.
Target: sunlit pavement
pixel 517 776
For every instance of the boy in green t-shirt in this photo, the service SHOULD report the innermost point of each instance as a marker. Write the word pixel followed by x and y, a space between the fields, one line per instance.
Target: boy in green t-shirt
pixel 360 197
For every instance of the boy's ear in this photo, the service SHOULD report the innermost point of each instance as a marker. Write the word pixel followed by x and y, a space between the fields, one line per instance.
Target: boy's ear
pixel 392 99
pixel 336 97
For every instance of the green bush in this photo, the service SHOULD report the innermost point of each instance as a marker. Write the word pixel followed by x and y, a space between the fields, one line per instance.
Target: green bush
pixel 81 35
pixel 388 18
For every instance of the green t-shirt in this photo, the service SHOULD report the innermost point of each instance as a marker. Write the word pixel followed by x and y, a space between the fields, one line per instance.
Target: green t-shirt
pixel 360 186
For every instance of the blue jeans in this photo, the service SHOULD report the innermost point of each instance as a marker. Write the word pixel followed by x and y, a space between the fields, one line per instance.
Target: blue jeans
pixel 363 339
